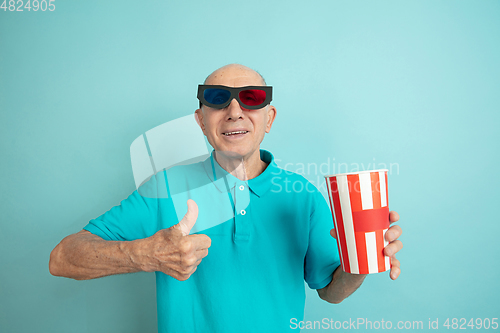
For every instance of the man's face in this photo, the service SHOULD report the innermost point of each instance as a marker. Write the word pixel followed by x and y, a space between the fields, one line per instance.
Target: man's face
pixel 216 124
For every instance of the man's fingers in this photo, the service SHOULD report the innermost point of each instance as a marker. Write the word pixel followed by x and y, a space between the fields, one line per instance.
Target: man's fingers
pixel 395 269
pixel 188 221
pixel 393 216
pixel 202 253
pixel 393 248
pixel 200 241
pixel 393 233
pixel 333 233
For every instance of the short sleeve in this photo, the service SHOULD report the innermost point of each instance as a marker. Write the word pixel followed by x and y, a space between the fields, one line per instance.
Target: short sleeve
pixel 135 218
pixel 322 256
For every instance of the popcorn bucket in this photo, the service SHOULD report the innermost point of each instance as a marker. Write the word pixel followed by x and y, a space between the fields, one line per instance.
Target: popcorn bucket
pixel 359 202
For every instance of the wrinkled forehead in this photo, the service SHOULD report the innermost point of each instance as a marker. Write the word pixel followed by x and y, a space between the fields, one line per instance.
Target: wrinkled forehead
pixel 235 77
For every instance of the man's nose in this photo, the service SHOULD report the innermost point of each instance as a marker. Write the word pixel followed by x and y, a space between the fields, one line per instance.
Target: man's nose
pixel 234 110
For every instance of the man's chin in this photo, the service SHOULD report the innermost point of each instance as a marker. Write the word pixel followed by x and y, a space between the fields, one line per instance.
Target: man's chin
pixel 232 162
pixel 237 153
pixel 230 154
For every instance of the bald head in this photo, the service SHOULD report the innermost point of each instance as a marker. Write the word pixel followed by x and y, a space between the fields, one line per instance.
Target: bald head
pixel 234 72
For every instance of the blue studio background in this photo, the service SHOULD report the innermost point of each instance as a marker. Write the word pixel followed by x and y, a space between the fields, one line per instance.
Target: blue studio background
pixel 411 85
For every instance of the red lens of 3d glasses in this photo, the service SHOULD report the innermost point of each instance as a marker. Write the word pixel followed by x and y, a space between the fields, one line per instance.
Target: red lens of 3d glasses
pixel 252 97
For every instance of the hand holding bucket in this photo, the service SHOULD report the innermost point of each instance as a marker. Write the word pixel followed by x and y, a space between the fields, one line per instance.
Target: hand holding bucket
pixel 359 202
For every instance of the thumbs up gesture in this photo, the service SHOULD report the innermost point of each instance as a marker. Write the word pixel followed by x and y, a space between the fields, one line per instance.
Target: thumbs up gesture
pixel 188 221
pixel 173 251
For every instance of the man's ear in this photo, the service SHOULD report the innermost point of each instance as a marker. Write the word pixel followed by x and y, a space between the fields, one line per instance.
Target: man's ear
pixel 271 115
pixel 198 116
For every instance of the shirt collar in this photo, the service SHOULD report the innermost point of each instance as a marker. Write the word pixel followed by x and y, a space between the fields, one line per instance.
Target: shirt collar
pixel 224 181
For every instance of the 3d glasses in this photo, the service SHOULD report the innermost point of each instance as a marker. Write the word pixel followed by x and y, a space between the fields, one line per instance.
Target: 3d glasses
pixel 250 97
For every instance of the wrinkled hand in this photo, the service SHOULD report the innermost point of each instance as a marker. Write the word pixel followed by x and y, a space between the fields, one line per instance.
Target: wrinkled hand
pixel 173 251
pixel 394 245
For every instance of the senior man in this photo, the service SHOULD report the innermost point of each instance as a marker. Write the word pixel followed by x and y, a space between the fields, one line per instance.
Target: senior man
pixel 253 278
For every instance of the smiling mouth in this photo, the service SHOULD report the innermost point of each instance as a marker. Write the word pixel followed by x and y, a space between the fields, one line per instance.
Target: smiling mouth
pixel 234 133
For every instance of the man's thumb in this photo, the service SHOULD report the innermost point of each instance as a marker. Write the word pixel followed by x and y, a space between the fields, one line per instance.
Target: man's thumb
pixel 189 219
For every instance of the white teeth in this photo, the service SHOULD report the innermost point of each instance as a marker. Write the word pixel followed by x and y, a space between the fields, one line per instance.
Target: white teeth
pixel 238 132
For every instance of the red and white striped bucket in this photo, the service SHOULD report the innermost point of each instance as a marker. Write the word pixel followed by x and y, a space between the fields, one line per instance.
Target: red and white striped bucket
pixel 359 202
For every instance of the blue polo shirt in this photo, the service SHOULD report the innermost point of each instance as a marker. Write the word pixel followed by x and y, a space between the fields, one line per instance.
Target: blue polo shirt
pixel 269 234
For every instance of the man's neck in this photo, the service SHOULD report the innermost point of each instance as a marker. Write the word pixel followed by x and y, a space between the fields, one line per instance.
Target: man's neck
pixel 243 168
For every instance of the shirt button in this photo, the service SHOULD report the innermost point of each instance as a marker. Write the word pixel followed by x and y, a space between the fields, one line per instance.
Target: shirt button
pixel 242 187
pixel 243 212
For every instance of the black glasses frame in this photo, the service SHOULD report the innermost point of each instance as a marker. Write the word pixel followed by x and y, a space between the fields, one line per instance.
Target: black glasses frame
pixel 234 94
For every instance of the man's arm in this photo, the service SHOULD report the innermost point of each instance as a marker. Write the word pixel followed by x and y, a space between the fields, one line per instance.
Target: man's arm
pixel 342 285
pixel 173 251
pixel 84 256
